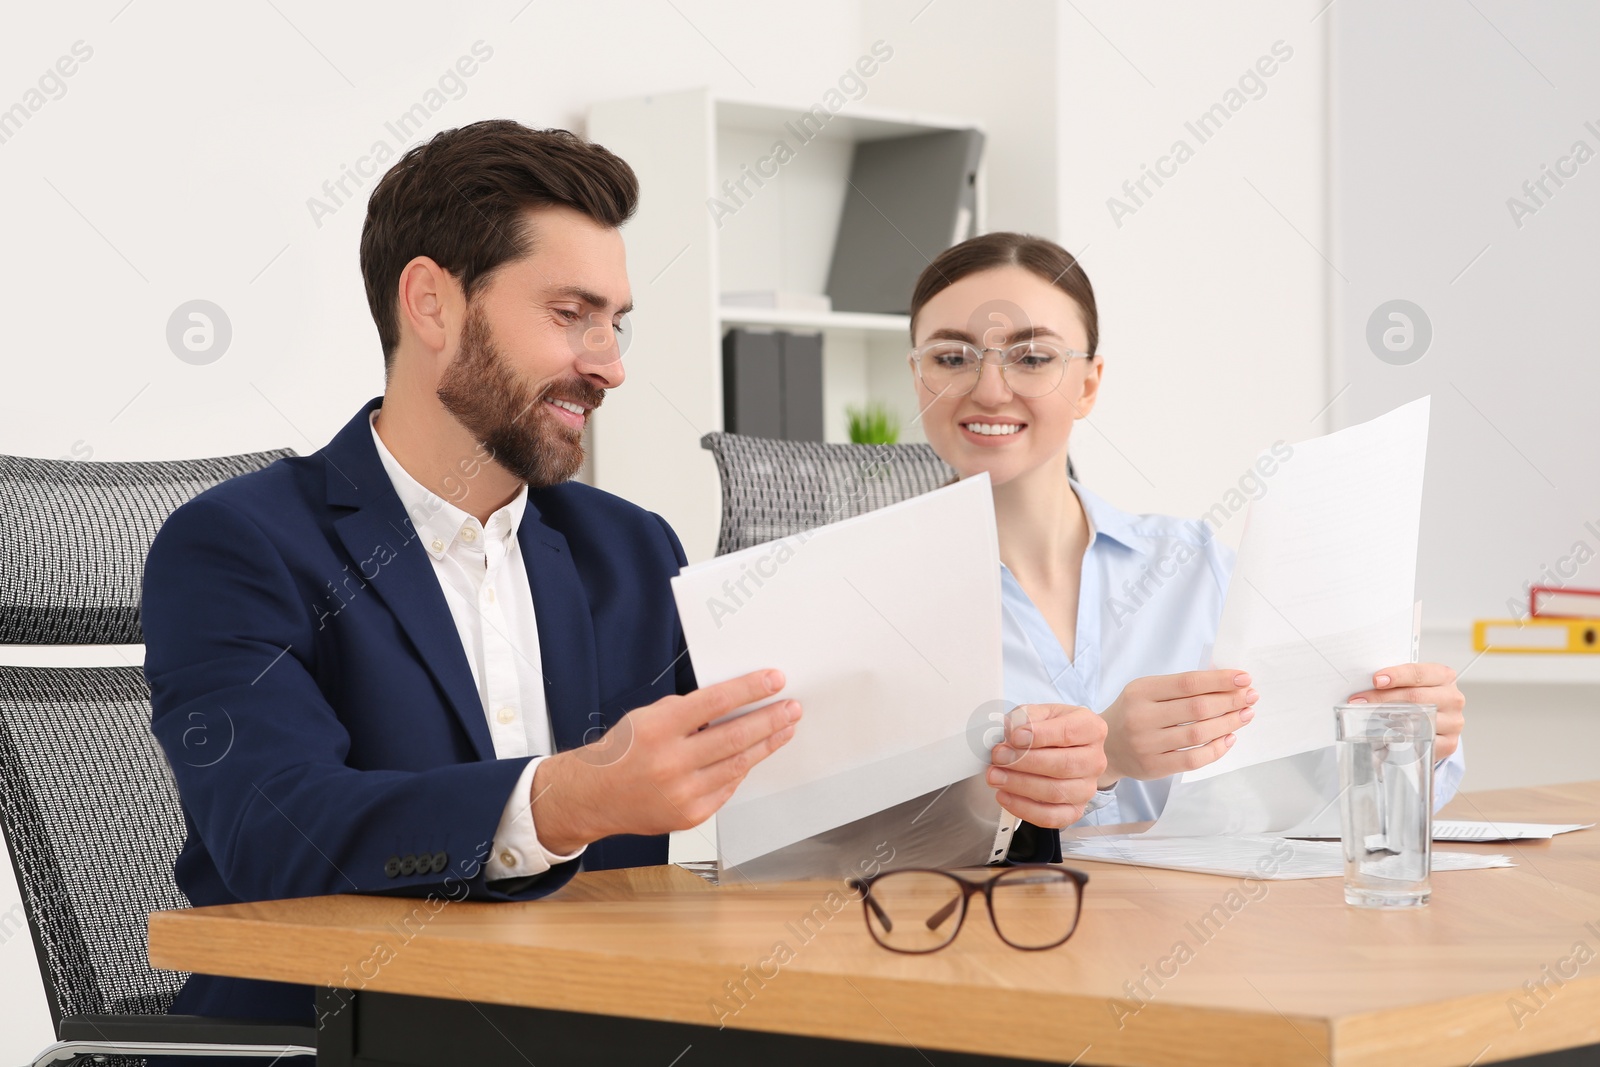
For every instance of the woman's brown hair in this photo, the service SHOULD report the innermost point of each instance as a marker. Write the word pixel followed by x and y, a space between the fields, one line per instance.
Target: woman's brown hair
pixel 1043 257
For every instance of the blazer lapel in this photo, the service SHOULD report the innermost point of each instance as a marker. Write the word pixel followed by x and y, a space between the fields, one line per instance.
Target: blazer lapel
pixel 387 554
pixel 566 633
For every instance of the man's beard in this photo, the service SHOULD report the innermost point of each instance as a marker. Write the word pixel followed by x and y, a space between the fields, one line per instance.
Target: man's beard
pixel 508 418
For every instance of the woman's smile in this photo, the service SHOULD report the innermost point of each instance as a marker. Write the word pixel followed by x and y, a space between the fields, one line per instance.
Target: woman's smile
pixel 991 431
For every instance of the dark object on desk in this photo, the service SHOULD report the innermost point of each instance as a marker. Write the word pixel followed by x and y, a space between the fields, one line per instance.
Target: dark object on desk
pixel 76 742
pixel 920 910
pixel 772 384
pixel 76 533
pixel 909 198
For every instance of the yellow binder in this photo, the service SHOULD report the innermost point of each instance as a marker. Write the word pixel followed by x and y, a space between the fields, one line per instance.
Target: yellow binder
pixel 1536 635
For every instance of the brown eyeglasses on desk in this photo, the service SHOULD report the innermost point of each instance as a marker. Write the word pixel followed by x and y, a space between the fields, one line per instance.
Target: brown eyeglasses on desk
pixel 1033 906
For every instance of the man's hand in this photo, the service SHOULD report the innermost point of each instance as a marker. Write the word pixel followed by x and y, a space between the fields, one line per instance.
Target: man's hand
pixel 1167 723
pixel 661 767
pixel 1045 769
pixel 1423 683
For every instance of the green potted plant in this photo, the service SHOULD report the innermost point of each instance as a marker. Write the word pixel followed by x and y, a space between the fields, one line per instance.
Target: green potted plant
pixel 873 424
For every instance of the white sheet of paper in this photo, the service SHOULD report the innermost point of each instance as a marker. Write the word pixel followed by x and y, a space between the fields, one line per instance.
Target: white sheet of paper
pixel 1323 591
pixel 1468 830
pixel 887 628
pixel 1245 855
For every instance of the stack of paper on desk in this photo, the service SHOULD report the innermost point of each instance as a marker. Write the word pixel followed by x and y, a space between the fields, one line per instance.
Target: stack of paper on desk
pixel 1468 830
pixel 887 627
pixel 1247 855
pixel 1465 830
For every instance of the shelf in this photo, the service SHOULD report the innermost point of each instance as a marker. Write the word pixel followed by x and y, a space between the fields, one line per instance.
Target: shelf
pixel 1455 648
pixel 817 320
pixel 774 231
pixel 851 124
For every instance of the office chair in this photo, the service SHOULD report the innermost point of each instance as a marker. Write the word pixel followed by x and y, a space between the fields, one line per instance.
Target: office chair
pixel 81 780
pixel 74 535
pixel 773 489
pixel 87 802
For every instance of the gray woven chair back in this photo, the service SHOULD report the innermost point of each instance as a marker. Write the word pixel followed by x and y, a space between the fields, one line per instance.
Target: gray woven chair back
pixel 74 535
pixel 92 819
pixel 774 488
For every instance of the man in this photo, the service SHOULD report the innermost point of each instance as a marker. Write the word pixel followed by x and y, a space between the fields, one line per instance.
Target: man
pixel 422 661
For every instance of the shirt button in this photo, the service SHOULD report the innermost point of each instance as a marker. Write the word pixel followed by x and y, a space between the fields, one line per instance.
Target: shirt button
pixel 508 858
pixel 488 595
pixel 506 714
pixel 469 535
pixel 438 545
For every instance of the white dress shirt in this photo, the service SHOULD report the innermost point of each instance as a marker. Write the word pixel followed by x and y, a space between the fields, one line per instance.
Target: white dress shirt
pixel 480 570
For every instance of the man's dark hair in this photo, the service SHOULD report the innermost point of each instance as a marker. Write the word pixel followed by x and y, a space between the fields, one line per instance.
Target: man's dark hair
pixel 459 199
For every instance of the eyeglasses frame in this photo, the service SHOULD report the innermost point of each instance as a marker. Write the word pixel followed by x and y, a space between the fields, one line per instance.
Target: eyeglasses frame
pixel 916 354
pixel 869 906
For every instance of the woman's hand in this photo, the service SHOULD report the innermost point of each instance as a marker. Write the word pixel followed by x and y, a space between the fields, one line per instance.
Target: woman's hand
pixel 1168 723
pixel 1423 683
pixel 1045 769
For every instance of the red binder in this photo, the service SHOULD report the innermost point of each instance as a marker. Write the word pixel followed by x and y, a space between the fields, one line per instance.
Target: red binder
pixel 1559 602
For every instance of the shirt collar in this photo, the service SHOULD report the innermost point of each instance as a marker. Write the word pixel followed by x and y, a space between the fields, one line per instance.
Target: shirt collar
pixel 1106 520
pixel 438 521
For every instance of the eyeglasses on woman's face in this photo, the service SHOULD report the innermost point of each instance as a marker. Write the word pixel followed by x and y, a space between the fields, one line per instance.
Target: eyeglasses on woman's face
pixel 1030 368
pixel 917 910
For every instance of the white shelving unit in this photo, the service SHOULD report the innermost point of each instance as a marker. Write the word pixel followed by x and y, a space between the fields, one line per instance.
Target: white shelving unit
pixel 1519 668
pixel 684 251
pixel 899 325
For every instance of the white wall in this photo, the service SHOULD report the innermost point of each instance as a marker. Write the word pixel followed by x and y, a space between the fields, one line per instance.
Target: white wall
pixel 1443 112
pixel 1212 291
pixel 995 63
pixel 191 141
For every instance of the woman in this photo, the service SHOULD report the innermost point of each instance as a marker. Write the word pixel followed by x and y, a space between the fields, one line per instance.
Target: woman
pixel 1076 571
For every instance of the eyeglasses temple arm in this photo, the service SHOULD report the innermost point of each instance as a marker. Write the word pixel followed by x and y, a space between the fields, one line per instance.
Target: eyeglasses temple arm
pixel 877 909
pixel 937 918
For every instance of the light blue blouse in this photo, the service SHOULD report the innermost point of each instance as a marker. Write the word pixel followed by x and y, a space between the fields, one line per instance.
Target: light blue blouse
pixel 1149 602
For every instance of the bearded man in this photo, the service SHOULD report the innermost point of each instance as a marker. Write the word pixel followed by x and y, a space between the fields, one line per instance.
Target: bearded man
pixel 422 661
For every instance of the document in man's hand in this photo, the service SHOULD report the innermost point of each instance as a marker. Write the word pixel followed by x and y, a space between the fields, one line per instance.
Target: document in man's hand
pixel 887 628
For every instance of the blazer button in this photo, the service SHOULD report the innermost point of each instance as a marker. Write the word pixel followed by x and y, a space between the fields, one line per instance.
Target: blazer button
pixel 392 867
pixel 408 865
pixel 440 861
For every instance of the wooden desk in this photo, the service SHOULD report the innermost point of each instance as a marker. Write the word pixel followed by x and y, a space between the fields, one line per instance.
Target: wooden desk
pixel 1292 976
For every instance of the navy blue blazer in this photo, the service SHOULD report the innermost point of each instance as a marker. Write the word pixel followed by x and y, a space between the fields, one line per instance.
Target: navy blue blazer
pixel 311 692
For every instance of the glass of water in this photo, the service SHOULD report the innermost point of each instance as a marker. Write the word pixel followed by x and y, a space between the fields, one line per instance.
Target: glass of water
pixel 1386 802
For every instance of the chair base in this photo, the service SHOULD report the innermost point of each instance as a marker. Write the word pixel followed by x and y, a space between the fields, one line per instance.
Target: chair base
pixel 175 1035
pixel 67 1051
